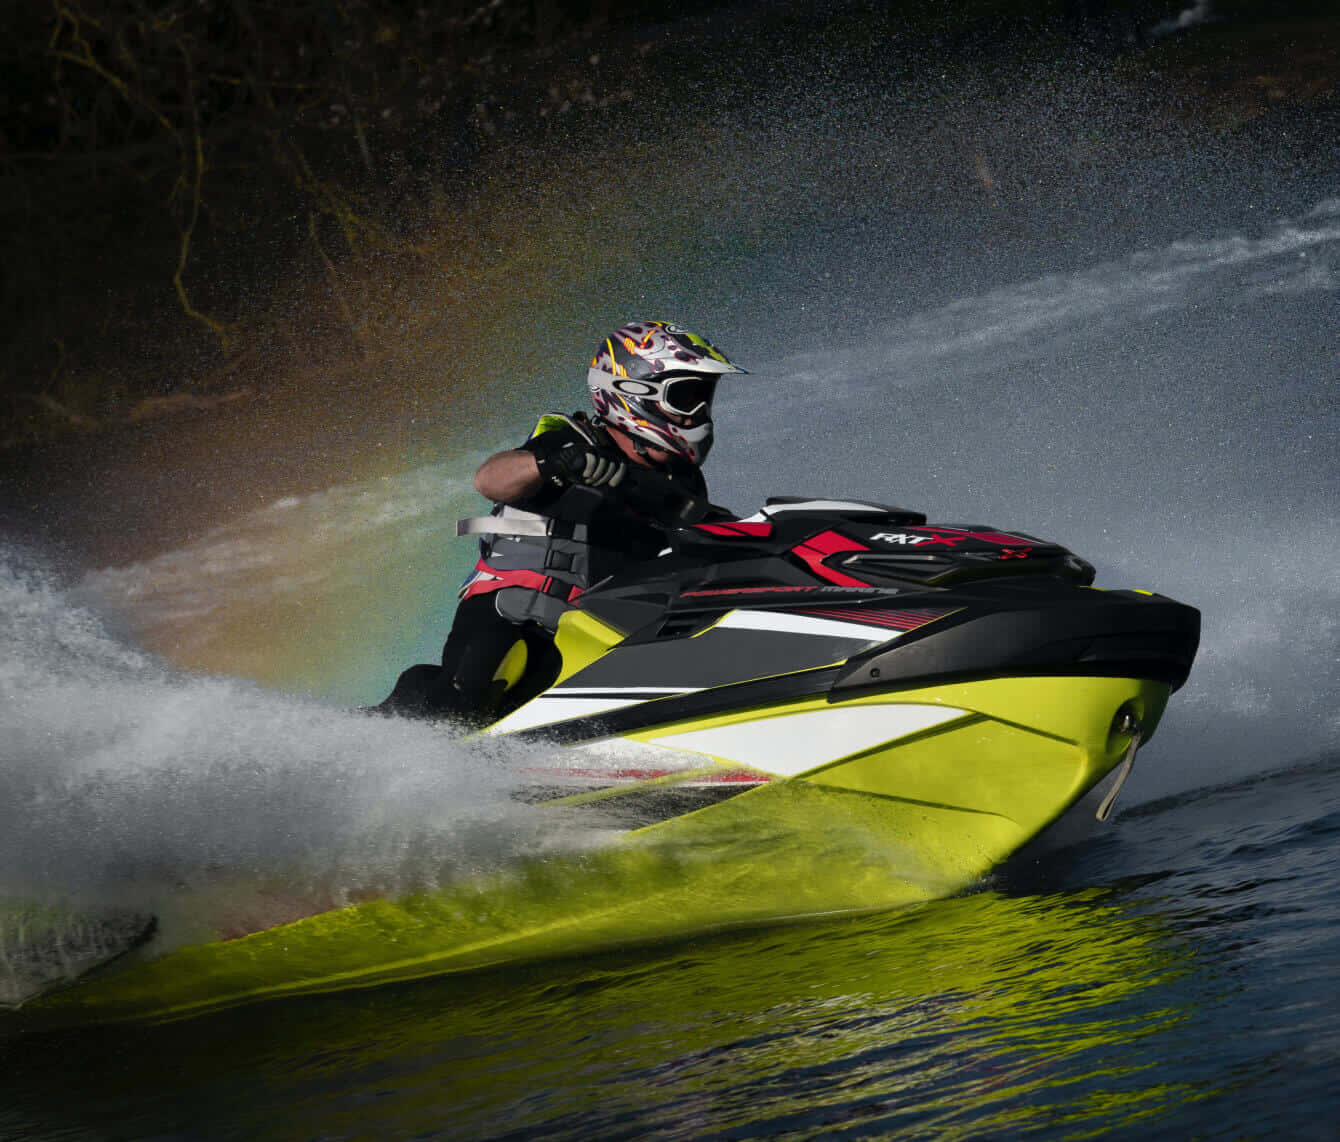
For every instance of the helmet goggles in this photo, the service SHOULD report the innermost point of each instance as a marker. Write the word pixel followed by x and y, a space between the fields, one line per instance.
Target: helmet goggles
pixel 688 395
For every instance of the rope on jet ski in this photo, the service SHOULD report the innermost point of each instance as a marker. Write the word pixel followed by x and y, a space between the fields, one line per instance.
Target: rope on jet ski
pixel 1123 771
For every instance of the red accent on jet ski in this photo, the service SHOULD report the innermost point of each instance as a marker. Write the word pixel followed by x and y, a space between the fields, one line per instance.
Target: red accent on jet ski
pixel 996 537
pixel 950 536
pixel 875 616
pixel 737 529
pixel 818 548
pixel 748 591
pixel 728 777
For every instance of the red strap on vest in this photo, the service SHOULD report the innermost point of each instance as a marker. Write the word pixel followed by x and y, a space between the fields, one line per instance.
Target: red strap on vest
pixel 487 579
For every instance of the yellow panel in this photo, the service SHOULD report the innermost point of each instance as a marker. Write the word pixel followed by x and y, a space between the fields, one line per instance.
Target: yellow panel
pixel 581 639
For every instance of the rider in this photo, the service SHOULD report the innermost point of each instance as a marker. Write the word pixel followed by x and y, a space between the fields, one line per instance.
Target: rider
pixel 581 499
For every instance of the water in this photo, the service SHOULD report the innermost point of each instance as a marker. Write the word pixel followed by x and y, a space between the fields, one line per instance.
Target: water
pixel 1176 978
pixel 212 804
pixel 1135 355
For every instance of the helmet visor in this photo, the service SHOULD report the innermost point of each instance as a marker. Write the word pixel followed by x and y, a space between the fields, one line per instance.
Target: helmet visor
pixel 688 396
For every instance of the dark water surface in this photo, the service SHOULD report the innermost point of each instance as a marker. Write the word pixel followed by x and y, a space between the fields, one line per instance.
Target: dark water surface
pixel 1177 977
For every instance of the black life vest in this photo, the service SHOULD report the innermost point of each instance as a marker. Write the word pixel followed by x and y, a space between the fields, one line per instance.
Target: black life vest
pixel 535 565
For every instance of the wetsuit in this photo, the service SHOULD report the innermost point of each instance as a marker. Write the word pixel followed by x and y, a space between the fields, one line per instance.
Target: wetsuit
pixel 536 558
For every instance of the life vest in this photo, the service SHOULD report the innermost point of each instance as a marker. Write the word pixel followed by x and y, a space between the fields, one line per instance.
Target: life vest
pixel 535 566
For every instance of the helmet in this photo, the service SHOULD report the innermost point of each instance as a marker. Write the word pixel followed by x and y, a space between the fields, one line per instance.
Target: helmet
pixel 656 380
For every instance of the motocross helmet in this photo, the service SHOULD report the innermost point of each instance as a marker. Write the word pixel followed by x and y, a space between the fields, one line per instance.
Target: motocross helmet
pixel 655 380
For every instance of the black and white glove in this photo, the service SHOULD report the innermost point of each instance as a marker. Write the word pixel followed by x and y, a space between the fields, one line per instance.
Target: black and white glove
pixel 577 464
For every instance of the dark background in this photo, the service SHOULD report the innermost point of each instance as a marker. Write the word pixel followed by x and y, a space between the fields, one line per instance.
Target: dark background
pixel 166 166
pixel 211 211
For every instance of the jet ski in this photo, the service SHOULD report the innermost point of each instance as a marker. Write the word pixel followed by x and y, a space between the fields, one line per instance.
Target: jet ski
pixel 826 708
pixel 972 673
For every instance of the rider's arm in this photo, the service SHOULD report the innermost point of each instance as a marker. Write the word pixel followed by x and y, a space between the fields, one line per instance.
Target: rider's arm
pixel 519 477
pixel 508 477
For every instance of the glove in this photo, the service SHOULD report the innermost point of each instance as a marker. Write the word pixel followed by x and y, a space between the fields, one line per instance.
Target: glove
pixel 577 464
pixel 656 495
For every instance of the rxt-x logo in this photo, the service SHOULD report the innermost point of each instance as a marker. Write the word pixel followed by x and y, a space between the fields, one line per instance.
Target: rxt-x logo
pixel 916 540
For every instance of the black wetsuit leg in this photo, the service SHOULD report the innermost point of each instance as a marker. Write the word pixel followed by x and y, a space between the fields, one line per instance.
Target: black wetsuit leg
pixel 463 687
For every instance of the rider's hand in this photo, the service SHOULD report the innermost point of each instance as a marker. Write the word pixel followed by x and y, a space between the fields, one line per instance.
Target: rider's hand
pixel 577 464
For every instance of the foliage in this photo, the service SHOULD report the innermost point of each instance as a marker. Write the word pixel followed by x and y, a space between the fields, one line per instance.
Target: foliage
pixel 164 162
pixel 159 157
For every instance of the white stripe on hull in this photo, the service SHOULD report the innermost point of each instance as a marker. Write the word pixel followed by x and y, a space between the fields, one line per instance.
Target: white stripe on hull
pixel 859 633
pixel 792 744
pixel 556 707
pixel 564 703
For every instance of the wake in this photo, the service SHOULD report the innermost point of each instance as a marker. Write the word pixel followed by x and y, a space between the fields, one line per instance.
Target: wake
pixel 129 789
